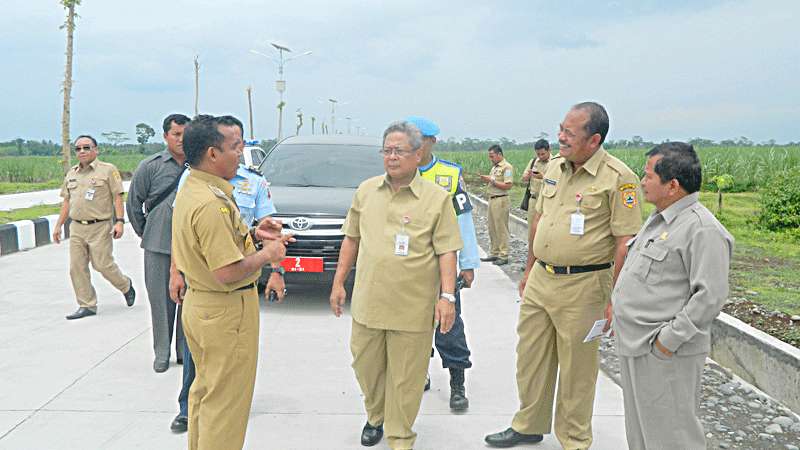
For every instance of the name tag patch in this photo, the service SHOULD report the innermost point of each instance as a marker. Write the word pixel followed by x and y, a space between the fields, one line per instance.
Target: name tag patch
pixel 550 182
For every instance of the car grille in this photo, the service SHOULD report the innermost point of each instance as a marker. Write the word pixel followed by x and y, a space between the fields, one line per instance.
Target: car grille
pixel 323 238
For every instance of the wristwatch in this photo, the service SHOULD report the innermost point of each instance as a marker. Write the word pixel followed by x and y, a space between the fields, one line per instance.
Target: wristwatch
pixel 279 270
pixel 449 297
pixel 120 220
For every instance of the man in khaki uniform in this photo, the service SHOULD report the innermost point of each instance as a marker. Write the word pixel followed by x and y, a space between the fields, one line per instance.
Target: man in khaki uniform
pixel 499 181
pixel 534 175
pixel 403 231
pixel 92 192
pixel 673 285
pixel 587 210
pixel 214 250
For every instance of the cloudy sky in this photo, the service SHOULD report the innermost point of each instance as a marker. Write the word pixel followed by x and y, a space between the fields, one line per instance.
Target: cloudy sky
pixel 679 69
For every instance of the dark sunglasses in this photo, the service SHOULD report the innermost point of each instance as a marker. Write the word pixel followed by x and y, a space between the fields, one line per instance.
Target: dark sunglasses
pixel 85 148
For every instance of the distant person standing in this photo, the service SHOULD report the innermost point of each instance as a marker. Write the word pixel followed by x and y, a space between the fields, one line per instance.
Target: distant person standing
pixel 499 181
pixel 534 175
pixel 150 196
pixel 674 283
pixel 92 192
pixel 587 211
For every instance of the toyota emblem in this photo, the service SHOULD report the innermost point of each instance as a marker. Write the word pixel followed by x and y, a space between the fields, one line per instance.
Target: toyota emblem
pixel 300 224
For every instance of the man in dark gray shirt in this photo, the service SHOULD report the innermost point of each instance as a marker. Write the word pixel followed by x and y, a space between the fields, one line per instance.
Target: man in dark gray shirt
pixel 150 197
pixel 672 286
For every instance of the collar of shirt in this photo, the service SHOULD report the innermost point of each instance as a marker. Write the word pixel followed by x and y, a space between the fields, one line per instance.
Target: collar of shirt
pixel 499 162
pixel 428 166
pixel 92 165
pixel 591 165
pixel 415 185
pixel 213 180
pixel 676 208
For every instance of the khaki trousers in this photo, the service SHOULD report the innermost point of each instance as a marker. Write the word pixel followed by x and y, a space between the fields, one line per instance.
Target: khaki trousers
pixel 661 398
pixel 531 213
pixel 499 208
pixel 556 313
pixel 390 367
pixel 92 243
pixel 222 334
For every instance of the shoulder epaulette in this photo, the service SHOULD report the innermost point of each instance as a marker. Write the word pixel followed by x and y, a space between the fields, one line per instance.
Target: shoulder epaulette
pixel 617 165
pixel 450 163
pixel 218 192
pixel 254 170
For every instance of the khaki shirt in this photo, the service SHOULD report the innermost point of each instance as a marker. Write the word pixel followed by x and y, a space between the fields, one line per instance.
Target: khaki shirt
pixel 208 233
pixel 395 292
pixel 535 184
pixel 674 281
pixel 502 172
pixel 91 190
pixel 610 205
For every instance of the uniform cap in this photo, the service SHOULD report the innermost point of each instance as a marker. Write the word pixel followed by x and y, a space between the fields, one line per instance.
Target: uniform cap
pixel 426 126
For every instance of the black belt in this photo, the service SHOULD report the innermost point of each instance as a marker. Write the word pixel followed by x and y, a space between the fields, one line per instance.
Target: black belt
pixel 497 196
pixel 89 222
pixel 567 270
pixel 244 288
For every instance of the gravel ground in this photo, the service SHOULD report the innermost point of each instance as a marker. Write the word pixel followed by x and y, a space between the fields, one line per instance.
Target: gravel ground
pixel 734 414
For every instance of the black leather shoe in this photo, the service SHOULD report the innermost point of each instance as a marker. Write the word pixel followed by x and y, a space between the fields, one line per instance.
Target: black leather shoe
pixel 427 383
pixel 510 438
pixel 130 296
pixel 489 259
pixel 179 424
pixel 160 366
pixel 81 313
pixel 501 261
pixel 179 361
pixel 371 435
pixel 458 396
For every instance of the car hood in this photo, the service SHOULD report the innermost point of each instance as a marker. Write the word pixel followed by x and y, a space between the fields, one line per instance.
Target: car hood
pixel 312 200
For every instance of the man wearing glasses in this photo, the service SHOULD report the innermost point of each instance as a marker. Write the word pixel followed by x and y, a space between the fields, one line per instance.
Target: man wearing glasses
pixel 403 232
pixel 92 193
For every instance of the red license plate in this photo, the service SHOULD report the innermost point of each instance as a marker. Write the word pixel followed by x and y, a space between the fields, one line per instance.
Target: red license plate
pixel 298 264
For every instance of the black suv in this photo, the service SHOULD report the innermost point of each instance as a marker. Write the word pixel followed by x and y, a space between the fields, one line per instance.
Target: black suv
pixel 312 180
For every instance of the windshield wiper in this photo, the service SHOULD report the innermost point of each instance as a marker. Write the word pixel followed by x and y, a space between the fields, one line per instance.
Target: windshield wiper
pixel 306 185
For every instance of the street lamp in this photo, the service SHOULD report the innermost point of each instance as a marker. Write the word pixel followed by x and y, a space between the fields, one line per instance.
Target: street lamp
pixel 280 83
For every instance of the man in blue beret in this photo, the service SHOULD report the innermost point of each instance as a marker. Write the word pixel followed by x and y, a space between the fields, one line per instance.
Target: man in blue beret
pixel 452 346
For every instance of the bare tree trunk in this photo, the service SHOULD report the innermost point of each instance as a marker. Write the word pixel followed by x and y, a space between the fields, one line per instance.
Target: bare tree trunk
pixel 196 86
pixel 67 88
pixel 250 110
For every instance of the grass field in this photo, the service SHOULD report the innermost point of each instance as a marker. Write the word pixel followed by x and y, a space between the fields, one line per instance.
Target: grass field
pixel 44 169
pixel 33 212
pixel 751 167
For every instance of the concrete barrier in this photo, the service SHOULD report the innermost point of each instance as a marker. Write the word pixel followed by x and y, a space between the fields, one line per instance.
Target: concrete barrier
pixel 765 362
pixel 27 234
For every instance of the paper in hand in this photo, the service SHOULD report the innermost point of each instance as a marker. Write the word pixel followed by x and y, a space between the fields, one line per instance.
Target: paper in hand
pixel 596 331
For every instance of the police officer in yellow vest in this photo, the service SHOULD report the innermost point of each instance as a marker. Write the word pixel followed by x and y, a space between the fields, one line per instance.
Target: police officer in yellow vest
pixel 499 181
pixel 214 250
pixel 587 211
pixel 403 232
pixel 92 193
pixel 452 346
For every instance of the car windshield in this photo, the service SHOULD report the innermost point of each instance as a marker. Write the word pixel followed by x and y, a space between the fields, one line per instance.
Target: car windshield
pixel 324 165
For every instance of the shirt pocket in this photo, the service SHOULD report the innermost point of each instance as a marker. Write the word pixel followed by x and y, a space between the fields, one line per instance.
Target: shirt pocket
pixel 593 201
pixel 653 260
pixel 245 200
pixel 548 190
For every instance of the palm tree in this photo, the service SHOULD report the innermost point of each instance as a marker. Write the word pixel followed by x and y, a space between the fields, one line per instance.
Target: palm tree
pixel 69 5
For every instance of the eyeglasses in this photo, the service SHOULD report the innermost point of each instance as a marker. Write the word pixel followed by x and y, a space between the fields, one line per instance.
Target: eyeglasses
pixel 387 152
pixel 85 148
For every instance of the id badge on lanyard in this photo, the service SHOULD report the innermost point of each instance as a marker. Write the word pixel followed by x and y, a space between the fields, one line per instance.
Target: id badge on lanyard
pixel 89 194
pixel 401 239
pixel 577 219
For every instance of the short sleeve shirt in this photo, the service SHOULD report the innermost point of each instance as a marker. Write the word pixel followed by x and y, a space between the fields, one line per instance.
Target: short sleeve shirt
pixel 396 292
pixel 91 190
pixel 535 183
pixel 208 232
pixel 609 203
pixel 502 172
pixel 252 195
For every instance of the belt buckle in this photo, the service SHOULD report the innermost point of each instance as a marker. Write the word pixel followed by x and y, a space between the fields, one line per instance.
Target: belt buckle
pixel 83 222
pixel 549 268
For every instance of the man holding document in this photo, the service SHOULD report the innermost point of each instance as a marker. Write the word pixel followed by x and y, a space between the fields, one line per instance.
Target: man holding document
pixel 587 210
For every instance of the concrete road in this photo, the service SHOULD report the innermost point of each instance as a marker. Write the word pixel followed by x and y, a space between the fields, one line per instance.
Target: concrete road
pixel 28 199
pixel 89 384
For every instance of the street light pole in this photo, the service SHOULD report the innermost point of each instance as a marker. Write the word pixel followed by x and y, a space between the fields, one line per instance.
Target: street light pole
pixel 333 114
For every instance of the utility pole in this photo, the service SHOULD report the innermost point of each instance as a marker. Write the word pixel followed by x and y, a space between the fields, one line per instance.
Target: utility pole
pixel 196 85
pixel 333 114
pixel 250 110
pixel 313 121
pixel 66 145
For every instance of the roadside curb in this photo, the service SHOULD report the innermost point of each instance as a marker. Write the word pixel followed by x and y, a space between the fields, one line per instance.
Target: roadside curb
pixel 764 361
pixel 24 235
